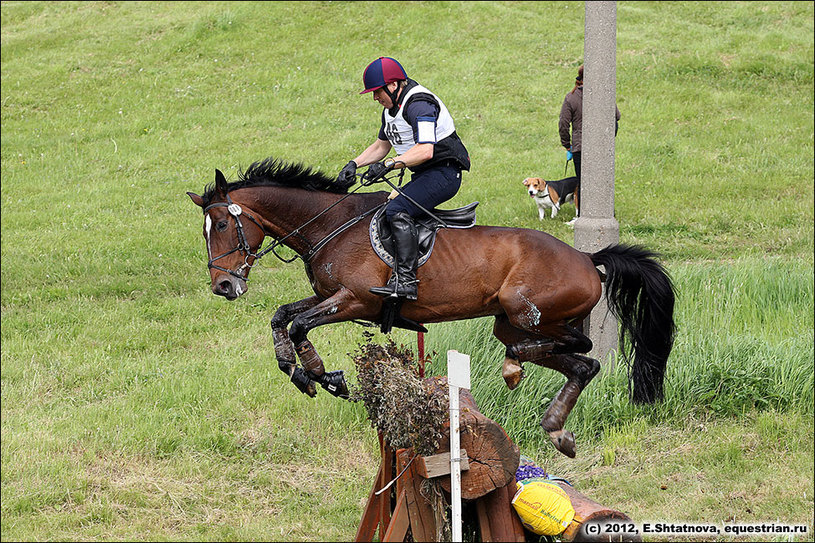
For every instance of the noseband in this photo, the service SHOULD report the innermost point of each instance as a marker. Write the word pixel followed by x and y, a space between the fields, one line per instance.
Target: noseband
pixel 243 246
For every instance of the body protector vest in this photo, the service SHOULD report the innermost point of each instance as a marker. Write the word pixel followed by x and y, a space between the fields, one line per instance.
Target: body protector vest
pixel 440 131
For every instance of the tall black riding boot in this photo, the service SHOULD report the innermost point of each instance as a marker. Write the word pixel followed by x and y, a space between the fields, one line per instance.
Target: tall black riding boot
pixel 406 242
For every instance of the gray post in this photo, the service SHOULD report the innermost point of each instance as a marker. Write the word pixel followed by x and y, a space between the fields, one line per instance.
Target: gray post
pixel 596 227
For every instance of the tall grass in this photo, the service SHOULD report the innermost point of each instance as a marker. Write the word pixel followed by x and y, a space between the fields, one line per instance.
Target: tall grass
pixel 744 344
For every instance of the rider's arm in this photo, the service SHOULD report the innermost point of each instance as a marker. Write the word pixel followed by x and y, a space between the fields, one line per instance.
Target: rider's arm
pixel 374 153
pixel 419 153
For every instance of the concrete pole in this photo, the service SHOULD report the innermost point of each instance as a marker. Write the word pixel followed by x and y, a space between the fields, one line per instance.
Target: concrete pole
pixel 596 228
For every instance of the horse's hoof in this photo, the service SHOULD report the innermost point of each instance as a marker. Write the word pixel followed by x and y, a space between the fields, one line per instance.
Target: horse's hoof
pixel 512 373
pixel 563 440
pixel 334 382
pixel 303 383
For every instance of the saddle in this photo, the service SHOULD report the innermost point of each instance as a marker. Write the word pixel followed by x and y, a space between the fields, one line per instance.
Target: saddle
pixel 382 241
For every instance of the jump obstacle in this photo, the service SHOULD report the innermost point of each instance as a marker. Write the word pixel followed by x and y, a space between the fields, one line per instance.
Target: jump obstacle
pixel 401 511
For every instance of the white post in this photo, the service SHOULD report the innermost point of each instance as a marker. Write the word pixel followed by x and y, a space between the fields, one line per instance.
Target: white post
pixel 458 377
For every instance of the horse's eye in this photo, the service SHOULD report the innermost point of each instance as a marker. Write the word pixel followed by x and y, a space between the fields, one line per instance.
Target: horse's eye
pixel 221 226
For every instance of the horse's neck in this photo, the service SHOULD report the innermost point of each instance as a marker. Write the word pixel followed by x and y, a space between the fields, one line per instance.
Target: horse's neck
pixel 313 214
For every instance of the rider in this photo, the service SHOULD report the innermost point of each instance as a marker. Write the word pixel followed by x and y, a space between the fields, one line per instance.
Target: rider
pixel 418 126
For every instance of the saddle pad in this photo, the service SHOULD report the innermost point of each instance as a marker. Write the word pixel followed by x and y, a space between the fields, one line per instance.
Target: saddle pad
pixel 463 217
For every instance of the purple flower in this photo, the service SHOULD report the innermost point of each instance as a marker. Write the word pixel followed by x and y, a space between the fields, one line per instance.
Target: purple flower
pixel 529 472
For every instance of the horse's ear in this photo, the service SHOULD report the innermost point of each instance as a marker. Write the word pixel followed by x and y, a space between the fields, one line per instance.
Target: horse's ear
pixel 220 181
pixel 197 200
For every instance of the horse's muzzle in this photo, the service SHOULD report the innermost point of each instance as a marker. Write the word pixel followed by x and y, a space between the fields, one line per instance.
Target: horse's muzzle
pixel 228 286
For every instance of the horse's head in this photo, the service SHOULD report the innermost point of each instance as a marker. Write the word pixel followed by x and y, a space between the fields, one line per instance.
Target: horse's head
pixel 232 235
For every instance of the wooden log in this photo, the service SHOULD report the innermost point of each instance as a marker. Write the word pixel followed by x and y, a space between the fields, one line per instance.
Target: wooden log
pixel 587 510
pixel 492 456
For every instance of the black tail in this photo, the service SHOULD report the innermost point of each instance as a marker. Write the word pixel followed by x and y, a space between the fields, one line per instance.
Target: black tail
pixel 641 295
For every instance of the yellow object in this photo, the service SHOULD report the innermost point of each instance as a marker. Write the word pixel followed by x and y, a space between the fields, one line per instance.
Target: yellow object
pixel 544 508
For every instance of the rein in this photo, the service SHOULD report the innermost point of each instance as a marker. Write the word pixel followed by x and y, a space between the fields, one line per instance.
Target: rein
pixel 320 244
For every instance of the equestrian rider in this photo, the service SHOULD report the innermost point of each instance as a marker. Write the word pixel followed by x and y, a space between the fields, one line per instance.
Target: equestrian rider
pixel 418 126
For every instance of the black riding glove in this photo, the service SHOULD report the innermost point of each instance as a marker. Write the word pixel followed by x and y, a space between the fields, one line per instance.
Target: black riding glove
pixel 348 175
pixel 375 172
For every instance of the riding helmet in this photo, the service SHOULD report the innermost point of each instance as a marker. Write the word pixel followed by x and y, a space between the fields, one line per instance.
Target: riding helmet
pixel 380 72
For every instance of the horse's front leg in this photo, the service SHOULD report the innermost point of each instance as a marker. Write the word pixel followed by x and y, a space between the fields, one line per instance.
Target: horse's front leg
pixel 343 306
pixel 284 348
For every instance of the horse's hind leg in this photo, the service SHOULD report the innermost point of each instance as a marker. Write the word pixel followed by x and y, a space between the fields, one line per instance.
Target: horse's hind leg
pixel 579 371
pixel 512 371
pixel 555 354
pixel 533 348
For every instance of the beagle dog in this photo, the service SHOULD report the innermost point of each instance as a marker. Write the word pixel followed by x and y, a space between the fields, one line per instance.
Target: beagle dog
pixel 552 194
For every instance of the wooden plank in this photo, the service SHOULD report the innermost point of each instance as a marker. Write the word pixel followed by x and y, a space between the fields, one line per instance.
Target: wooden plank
pixel 402 458
pixel 399 522
pixel 483 521
pixel 422 519
pixel 370 517
pixel 385 477
pixel 504 523
pixel 439 464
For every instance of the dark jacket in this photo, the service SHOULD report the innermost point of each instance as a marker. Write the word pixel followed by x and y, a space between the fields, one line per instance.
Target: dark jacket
pixel 571 113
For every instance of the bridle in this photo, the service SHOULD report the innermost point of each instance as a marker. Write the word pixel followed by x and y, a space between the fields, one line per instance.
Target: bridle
pixel 243 246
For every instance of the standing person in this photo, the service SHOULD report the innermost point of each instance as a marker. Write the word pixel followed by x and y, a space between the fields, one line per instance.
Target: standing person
pixel 571 115
pixel 418 126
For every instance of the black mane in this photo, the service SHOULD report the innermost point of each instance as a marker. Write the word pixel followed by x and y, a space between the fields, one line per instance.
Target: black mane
pixel 271 172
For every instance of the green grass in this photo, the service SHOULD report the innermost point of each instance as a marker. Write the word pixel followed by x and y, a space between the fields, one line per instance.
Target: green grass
pixel 138 406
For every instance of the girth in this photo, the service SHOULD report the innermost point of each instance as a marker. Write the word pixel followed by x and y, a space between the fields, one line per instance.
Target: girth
pixel 382 242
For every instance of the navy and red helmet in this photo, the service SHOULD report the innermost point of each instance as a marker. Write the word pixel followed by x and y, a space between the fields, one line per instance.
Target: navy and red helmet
pixel 380 72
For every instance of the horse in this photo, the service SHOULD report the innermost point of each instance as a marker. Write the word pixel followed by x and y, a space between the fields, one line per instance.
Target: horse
pixel 536 287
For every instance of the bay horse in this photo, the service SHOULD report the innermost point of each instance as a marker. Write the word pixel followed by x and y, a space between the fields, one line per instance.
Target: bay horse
pixel 538 288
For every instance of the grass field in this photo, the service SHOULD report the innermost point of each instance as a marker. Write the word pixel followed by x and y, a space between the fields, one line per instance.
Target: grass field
pixel 138 406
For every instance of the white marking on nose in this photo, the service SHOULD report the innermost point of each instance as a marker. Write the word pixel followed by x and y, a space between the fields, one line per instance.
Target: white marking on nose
pixel 207 229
